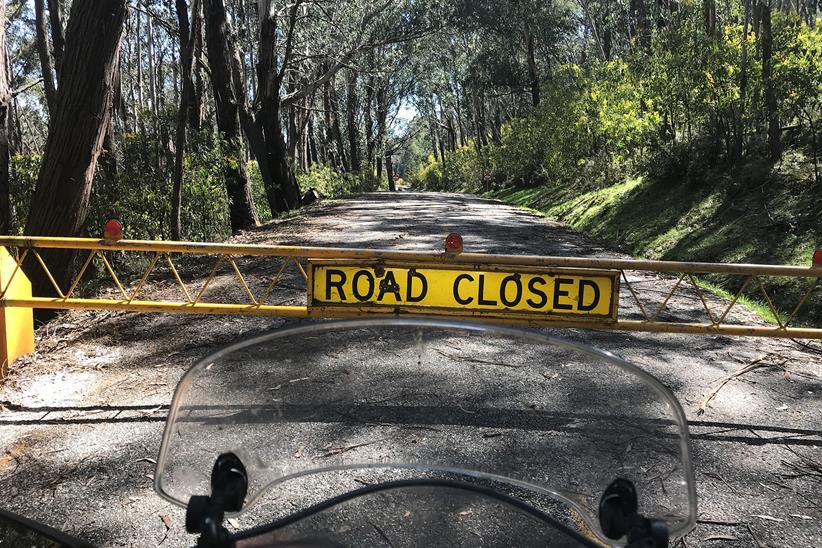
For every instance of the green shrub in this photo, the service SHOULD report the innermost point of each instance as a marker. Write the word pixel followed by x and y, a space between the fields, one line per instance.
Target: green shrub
pixel 258 192
pixel 333 184
pixel 24 169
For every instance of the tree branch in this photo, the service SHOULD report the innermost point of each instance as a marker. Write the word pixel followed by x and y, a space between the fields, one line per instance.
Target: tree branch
pixel 289 41
pixel 26 87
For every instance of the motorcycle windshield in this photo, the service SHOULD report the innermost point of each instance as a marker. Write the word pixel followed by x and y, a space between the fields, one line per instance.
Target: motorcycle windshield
pixel 321 409
pixel 405 515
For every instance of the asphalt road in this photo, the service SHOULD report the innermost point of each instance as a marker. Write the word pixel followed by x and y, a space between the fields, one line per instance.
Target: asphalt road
pixel 82 418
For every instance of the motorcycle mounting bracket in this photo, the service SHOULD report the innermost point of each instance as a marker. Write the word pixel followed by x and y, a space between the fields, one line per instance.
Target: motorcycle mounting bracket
pixel 619 517
pixel 205 514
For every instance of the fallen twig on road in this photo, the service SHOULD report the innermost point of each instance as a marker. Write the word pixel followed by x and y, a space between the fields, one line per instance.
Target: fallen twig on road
pixel 803 467
pixel 756 364
pixel 334 451
pixel 476 360
pixel 753 535
pixel 810 347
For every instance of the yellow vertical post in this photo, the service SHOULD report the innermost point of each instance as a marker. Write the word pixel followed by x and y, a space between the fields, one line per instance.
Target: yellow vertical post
pixel 16 324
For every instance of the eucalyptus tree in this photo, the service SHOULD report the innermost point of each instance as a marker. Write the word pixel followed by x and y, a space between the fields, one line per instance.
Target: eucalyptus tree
pixel 5 112
pixel 301 47
pixel 82 108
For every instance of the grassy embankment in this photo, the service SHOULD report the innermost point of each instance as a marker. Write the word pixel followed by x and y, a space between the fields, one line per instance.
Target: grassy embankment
pixel 740 217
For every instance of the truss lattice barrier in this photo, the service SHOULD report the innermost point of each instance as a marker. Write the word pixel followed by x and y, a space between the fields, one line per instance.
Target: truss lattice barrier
pixel 208 278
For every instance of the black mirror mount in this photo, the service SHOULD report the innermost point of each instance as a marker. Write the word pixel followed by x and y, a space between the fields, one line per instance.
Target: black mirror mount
pixel 619 517
pixel 205 514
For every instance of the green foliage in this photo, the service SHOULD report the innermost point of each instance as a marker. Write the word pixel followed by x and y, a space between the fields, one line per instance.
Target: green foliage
pixel 138 192
pixel 589 125
pixel 132 184
pixel 23 178
pixel 464 169
pixel 334 184
pixel 258 192
pixel 687 103
pixel 752 215
pixel 662 149
pixel 798 75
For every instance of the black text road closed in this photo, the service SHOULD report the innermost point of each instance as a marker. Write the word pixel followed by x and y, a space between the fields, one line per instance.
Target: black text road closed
pixel 491 289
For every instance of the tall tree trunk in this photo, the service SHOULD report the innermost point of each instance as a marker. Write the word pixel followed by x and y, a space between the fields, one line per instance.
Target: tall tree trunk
pixel 496 126
pixel 709 14
pixel 107 189
pixel 771 107
pixel 264 129
pixel 292 133
pixel 382 119
pixel 58 42
pixel 480 113
pixel 389 172
pixel 152 76
pixel 337 129
pixel 108 156
pixel 533 73
pixel 139 63
pixel 739 129
pixel 442 150
pixel 351 108
pixel 814 146
pixel 5 116
pixel 458 112
pixel 312 144
pixel 226 96
pixel 369 125
pixel 59 206
pixel 639 27
pixel 452 135
pixel 186 100
pixel 45 56
pixel 196 112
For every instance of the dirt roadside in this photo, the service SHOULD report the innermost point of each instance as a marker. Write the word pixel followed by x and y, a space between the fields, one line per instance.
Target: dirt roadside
pixel 81 419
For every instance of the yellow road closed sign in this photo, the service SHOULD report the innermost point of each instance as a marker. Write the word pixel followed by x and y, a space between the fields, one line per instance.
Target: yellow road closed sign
pixel 463 289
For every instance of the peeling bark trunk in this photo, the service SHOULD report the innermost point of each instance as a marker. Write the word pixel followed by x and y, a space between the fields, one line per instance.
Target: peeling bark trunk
pixel 389 173
pixel 264 128
pixel 59 206
pixel 5 117
pixel 220 59
pixel 58 41
pixel 186 100
pixel 351 120
pixel 45 56
pixel 771 106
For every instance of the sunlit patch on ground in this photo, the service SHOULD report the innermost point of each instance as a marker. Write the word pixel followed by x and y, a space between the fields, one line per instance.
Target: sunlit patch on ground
pixel 63 387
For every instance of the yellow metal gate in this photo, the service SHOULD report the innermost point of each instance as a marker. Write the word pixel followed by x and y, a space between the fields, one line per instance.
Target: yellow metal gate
pixel 573 292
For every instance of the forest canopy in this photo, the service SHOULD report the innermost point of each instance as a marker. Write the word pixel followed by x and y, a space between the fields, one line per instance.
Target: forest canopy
pixel 193 119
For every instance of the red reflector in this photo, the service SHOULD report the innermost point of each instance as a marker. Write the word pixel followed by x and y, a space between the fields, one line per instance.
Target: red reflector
pixel 112 230
pixel 453 243
pixel 817 258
